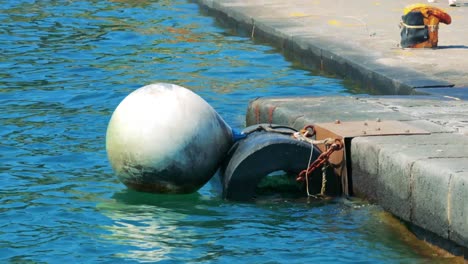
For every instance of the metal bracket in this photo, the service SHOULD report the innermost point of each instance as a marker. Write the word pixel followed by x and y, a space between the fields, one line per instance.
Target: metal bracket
pixel 345 131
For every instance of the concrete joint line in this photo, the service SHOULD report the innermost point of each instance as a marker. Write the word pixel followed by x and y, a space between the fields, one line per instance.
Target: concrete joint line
pixel 449 209
pixel 461 157
pixel 321 59
pixel 252 34
pixel 411 189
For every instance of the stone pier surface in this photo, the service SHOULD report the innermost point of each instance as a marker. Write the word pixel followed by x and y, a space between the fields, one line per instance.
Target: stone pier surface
pixel 356 40
pixel 423 179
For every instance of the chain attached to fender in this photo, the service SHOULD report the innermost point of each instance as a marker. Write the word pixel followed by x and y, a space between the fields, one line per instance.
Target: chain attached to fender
pixel 331 145
pixel 337 145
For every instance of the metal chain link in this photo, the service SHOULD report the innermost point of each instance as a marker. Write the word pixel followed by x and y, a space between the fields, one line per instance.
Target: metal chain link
pixel 331 145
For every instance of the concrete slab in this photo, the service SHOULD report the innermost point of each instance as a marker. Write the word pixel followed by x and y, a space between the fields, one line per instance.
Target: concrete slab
pixel 419 178
pixel 458 215
pixel 458 93
pixel 399 173
pixel 446 113
pixel 357 40
pixel 309 110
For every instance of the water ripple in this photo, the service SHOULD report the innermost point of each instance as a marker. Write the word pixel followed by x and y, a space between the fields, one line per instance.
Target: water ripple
pixel 66 65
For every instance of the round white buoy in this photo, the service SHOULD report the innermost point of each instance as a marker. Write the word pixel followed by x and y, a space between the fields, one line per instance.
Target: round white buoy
pixel 164 138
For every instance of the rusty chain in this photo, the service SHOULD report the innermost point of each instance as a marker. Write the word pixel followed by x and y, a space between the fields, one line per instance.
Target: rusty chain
pixel 331 145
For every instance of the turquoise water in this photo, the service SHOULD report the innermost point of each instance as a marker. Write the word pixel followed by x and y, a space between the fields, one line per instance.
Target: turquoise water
pixel 66 65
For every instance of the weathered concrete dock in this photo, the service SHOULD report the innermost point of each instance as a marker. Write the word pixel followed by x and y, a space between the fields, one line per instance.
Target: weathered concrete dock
pixel 422 179
pixel 356 40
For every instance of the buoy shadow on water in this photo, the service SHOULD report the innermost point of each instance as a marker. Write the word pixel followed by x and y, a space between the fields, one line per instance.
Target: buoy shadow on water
pixel 132 197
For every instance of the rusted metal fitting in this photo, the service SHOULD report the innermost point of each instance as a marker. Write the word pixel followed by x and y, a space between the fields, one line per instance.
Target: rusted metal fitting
pixel 341 131
pixel 338 144
pixel 309 128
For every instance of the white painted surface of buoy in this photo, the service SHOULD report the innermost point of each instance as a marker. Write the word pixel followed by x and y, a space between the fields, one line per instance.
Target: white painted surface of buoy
pixel 164 138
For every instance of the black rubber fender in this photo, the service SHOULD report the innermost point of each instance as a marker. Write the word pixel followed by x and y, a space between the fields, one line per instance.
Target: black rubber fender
pixel 259 154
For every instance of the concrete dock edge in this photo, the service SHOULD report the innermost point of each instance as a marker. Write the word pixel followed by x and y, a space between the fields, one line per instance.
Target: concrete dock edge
pixel 327 55
pixel 422 179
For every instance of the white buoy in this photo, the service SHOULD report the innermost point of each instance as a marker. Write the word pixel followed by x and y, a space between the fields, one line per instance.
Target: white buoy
pixel 164 138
